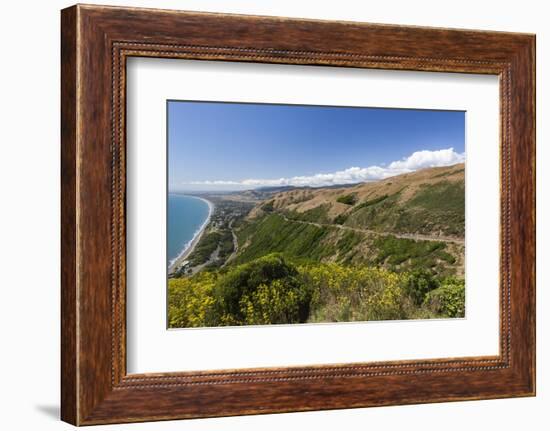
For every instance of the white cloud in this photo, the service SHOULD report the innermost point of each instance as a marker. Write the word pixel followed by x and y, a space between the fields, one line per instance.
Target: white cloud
pixel 417 160
pixel 428 159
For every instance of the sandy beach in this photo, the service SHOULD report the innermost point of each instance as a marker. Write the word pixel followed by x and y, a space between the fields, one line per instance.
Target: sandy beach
pixel 177 262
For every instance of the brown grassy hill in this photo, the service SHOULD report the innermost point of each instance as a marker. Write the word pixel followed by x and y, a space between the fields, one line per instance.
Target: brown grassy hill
pixel 429 202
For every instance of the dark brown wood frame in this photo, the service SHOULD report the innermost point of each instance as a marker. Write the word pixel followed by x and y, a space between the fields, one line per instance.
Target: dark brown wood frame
pixel 95 43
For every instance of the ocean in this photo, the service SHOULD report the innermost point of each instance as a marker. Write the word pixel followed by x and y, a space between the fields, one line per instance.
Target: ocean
pixel 186 216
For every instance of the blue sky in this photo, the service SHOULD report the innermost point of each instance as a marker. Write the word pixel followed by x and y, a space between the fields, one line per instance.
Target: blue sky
pixel 233 146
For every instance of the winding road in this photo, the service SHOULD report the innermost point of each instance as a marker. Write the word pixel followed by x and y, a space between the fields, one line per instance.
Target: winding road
pixel 235 245
pixel 417 237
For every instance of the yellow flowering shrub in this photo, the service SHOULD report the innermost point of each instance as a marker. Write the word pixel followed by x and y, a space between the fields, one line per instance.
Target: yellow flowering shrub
pixel 273 290
pixel 265 290
pixel 190 300
pixel 277 302
pixel 342 293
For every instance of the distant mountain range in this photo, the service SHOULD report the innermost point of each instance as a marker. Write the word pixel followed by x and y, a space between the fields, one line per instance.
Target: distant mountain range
pixel 279 189
pixel 258 192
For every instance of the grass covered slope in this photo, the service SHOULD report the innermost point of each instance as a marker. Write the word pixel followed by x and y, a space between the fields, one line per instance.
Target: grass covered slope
pixel 272 233
pixel 432 209
pixel 428 202
pixel 306 242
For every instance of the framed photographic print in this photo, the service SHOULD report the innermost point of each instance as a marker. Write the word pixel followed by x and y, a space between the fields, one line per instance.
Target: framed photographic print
pixel 268 215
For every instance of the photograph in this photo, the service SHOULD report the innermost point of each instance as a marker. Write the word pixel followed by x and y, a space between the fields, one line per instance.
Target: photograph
pixel 289 214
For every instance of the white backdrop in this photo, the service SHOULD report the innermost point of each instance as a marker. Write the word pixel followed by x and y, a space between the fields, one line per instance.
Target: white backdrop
pixel 29 220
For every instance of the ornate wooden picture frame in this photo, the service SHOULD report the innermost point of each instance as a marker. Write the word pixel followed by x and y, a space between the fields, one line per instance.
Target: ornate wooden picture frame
pixel 96 41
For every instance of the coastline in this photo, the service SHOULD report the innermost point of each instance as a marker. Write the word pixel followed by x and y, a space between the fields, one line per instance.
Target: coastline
pixel 190 246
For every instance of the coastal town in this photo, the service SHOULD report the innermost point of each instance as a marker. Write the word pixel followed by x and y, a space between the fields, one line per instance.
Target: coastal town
pixel 217 243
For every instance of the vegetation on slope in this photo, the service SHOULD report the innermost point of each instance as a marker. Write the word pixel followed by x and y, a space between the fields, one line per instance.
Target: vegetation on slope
pixel 272 233
pixel 428 202
pixel 432 209
pixel 329 255
pixel 222 240
pixel 422 254
pixel 306 242
pixel 316 215
pixel 370 202
pixel 275 290
pixel 448 299
pixel 350 199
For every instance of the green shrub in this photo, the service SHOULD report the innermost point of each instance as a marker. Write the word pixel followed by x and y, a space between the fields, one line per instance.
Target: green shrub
pixel 419 254
pixel 350 199
pixel 419 283
pixel 340 219
pixel 371 202
pixel 266 290
pixel 446 257
pixel 268 206
pixel 449 299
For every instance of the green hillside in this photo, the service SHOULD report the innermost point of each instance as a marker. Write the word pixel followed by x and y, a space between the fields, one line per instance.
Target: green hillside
pixel 392 249
pixel 311 243
pixel 431 208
